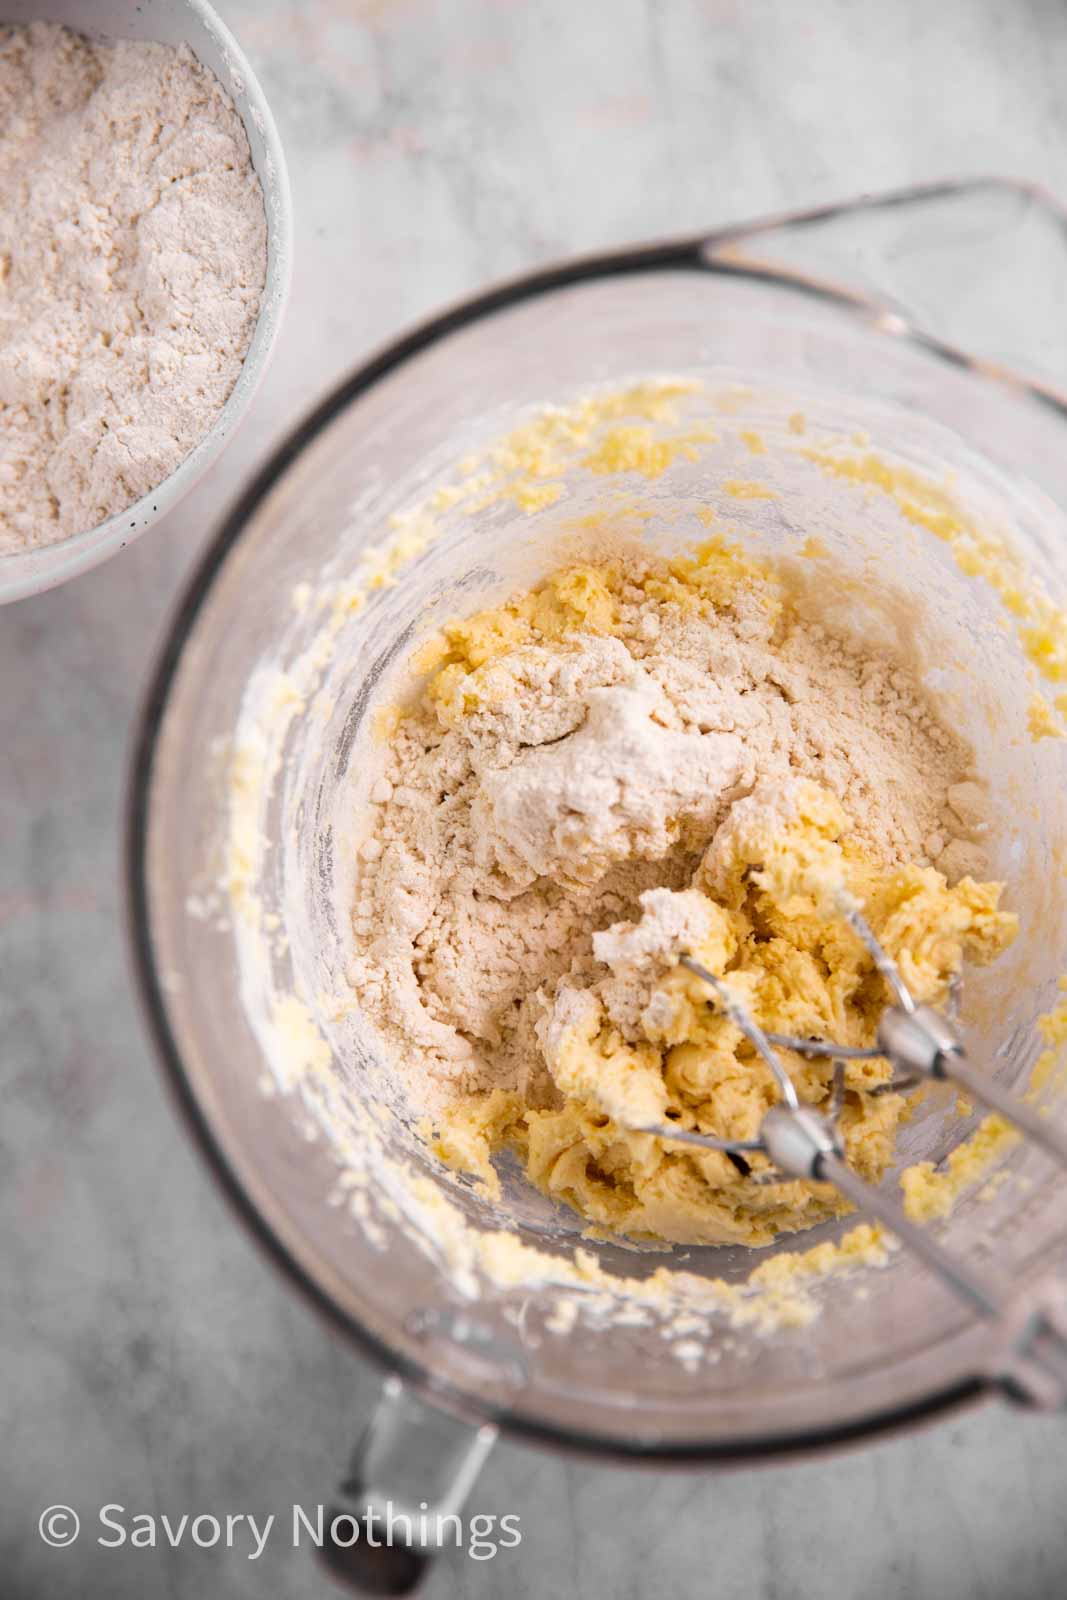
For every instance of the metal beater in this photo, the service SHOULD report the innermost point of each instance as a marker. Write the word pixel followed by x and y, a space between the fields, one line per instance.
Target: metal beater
pixel 921 1042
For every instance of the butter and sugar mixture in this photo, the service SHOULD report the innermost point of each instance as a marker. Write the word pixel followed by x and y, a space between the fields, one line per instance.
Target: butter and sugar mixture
pixel 634 760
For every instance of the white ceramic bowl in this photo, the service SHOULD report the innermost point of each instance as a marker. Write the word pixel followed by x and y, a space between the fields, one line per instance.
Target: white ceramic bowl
pixel 172 22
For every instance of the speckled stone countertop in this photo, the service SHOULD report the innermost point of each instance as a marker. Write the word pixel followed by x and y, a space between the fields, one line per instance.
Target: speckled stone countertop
pixel 150 1357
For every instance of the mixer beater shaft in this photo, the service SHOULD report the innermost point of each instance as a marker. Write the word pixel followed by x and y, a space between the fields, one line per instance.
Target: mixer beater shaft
pixel 922 1043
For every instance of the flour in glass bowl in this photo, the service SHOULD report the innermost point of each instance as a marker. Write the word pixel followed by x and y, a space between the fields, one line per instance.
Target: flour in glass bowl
pixel 132 262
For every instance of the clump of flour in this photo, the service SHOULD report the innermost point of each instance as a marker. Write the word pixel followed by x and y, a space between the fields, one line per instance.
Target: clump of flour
pixel 132 262
pixel 509 835
pixel 622 784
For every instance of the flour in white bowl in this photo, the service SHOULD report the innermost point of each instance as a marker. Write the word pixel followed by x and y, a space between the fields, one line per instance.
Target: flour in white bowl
pixel 132 263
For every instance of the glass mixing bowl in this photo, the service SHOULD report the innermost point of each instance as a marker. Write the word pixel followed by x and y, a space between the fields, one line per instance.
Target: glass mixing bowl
pixel 919 319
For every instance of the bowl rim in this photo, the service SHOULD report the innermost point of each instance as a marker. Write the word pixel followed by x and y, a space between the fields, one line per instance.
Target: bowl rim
pixel 20 573
pixel 690 253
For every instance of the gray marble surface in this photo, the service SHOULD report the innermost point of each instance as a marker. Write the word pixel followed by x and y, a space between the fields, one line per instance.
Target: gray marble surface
pixel 149 1357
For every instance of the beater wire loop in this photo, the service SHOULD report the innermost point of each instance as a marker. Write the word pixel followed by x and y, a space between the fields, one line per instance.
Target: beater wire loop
pixel 802 1143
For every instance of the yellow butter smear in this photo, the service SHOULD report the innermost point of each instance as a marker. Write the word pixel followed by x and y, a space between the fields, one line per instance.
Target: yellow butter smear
pixel 778 1293
pixel 1040 624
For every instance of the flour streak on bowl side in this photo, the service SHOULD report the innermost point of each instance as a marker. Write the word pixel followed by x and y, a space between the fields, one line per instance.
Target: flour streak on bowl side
pixel 194 23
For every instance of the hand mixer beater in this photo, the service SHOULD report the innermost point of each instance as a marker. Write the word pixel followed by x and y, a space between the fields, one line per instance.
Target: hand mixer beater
pixel 921 1043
